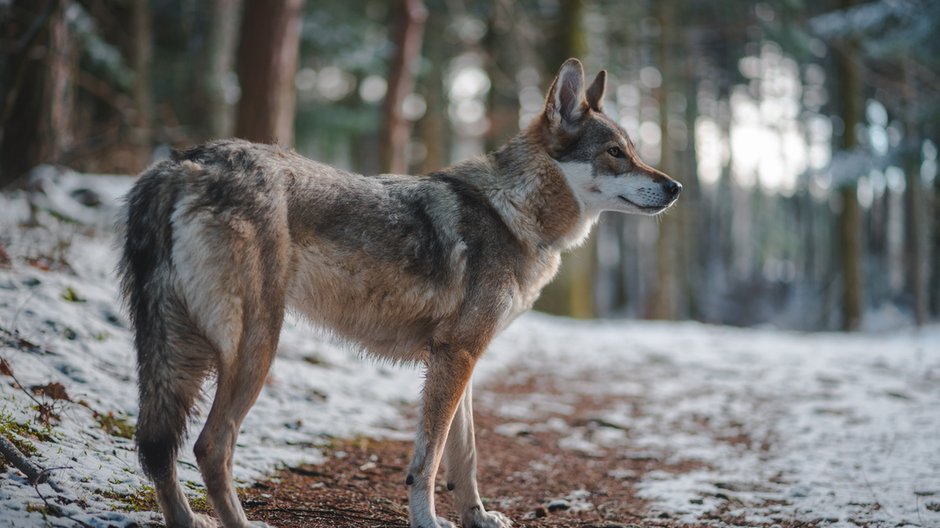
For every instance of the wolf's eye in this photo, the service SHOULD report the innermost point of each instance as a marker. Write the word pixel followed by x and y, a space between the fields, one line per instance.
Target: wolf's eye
pixel 615 152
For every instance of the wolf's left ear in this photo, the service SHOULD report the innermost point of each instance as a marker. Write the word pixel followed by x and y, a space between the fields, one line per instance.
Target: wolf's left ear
pixel 565 103
pixel 595 93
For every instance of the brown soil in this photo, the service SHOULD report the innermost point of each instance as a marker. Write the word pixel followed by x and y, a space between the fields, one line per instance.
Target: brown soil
pixel 362 483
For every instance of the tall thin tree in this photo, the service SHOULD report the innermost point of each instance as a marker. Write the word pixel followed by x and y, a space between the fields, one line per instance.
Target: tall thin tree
pixel 850 223
pixel 665 295
pixel 37 113
pixel 396 129
pixel 267 62
pixel 143 95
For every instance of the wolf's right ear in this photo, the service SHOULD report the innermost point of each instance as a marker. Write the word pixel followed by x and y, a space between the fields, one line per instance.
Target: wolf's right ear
pixel 595 92
pixel 565 103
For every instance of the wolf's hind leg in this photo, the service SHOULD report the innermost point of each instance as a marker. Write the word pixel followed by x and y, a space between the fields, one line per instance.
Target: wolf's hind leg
pixel 460 463
pixel 239 384
pixel 175 507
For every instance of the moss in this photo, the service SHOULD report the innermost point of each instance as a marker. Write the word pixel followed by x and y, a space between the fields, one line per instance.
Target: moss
pixel 200 502
pixel 142 499
pixel 115 425
pixel 22 434
pixel 71 295
pixel 145 499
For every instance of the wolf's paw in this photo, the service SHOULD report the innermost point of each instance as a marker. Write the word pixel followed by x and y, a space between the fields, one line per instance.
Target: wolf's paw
pixel 203 521
pixel 444 523
pixel 440 522
pixel 477 518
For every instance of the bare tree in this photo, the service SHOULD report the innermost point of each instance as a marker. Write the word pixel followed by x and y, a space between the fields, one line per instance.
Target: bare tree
pixel 850 223
pixel 267 63
pixel 143 94
pixel 572 291
pixel 222 39
pixel 663 303
pixel 396 129
pixel 915 205
pixel 36 117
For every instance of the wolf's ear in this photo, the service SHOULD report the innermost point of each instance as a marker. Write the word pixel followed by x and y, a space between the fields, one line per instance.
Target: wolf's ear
pixel 595 93
pixel 565 103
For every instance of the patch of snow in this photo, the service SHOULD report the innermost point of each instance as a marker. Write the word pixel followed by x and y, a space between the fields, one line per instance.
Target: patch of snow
pixel 817 427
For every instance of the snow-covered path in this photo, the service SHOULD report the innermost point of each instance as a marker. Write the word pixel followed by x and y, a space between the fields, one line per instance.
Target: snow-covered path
pixel 838 428
pixel 831 428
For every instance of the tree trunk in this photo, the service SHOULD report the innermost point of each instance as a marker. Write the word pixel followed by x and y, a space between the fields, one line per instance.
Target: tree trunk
pixel 915 204
pixel 434 126
pixel 223 31
pixel 850 231
pixel 267 63
pixel 37 114
pixel 143 95
pixel 934 257
pixel 850 242
pixel 664 302
pixel 692 208
pixel 502 61
pixel 396 129
pixel 572 291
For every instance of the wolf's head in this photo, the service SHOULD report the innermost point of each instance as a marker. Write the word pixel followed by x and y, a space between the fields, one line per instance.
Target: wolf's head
pixel 594 153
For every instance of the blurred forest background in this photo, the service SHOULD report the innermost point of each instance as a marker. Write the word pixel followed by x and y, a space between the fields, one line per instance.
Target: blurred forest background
pixel 805 132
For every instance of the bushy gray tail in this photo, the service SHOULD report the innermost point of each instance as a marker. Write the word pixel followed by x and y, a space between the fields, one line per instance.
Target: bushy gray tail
pixel 146 274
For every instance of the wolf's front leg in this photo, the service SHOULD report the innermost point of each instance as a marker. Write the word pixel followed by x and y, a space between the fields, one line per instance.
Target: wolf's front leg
pixel 448 373
pixel 460 463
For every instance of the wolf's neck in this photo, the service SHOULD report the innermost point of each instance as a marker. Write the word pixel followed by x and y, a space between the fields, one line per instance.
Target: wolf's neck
pixel 528 190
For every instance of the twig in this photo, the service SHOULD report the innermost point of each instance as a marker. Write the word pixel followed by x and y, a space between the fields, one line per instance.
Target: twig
pixel 34 473
pixel 44 474
pixel 16 342
pixel 54 509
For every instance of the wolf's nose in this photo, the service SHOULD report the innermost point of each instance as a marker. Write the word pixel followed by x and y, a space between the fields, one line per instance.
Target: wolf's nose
pixel 673 188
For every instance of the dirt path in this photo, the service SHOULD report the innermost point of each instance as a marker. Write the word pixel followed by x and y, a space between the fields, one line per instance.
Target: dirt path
pixel 547 469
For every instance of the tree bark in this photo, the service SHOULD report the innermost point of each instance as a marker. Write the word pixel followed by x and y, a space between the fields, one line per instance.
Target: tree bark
pixel 692 208
pixel 267 62
pixel 221 49
pixel 850 243
pixel 665 296
pixel 143 95
pixel 434 127
pixel 37 114
pixel 396 129
pixel 850 229
pixel 935 251
pixel 572 291
pixel 917 283
pixel 502 101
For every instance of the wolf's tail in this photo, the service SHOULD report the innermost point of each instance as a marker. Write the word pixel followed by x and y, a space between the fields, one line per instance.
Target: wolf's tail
pixel 166 385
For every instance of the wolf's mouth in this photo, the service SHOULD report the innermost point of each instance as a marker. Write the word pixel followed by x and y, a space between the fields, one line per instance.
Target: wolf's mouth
pixel 645 208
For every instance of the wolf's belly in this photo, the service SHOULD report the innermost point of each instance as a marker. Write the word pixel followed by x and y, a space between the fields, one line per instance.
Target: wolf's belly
pixel 382 307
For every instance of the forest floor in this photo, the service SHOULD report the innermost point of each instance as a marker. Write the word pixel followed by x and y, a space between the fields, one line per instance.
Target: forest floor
pixel 526 471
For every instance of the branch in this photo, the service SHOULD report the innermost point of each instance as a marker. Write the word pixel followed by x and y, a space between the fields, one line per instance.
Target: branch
pixel 34 473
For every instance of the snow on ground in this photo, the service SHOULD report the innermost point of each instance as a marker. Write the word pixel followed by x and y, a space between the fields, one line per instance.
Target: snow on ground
pixel 841 429
pixel 827 427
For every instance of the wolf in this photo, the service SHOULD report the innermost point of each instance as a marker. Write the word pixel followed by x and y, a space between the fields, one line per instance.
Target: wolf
pixel 221 239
